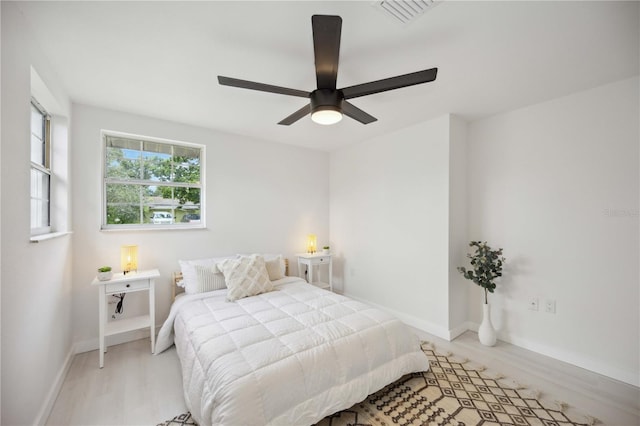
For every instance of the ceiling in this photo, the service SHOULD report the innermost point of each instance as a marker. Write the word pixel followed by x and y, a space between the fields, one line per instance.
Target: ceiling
pixel 161 59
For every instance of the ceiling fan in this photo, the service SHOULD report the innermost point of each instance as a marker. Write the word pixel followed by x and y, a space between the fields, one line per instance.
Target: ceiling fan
pixel 327 104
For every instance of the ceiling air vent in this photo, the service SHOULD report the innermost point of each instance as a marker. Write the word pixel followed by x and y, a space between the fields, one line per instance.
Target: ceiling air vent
pixel 405 11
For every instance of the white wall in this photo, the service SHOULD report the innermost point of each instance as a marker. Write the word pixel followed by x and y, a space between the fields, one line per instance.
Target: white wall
pixel 458 233
pixel 390 210
pixel 0 235
pixel 35 277
pixel 260 197
pixel 556 185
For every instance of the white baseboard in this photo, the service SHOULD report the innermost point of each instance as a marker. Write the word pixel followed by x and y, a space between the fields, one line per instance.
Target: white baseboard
pixel 52 395
pixel 579 360
pixel 94 343
pixel 413 321
pixel 473 326
pixel 457 331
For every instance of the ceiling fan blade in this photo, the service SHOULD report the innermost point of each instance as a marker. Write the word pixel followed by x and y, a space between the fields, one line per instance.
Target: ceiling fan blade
pixel 390 83
pixel 245 84
pixel 356 113
pixel 326 45
pixel 296 115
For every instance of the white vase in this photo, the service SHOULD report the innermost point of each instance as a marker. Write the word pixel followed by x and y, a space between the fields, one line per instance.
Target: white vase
pixel 486 332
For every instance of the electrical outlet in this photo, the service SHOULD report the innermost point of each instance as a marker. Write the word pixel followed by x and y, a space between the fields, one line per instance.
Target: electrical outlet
pixel 533 304
pixel 550 306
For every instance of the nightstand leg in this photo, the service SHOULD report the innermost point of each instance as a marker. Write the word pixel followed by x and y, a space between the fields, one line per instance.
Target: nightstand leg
pixel 152 313
pixel 101 320
pixel 331 275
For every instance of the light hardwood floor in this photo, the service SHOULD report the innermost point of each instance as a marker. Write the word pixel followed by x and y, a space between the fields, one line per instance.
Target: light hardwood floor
pixel 134 388
pixel 137 388
pixel 612 402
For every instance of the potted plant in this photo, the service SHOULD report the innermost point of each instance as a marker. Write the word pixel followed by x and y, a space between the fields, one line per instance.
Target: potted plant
pixel 105 273
pixel 326 250
pixel 487 266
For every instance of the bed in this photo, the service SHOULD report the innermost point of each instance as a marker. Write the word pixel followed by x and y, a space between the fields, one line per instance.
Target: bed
pixel 288 356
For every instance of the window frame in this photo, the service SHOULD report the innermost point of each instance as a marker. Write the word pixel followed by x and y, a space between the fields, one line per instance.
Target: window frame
pixel 104 226
pixel 44 168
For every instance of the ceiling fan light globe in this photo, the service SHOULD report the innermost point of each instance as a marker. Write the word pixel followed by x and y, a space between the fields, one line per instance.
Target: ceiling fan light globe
pixel 326 116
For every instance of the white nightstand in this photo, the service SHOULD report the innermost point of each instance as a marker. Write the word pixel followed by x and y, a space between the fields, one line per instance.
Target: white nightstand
pixel 311 260
pixel 129 283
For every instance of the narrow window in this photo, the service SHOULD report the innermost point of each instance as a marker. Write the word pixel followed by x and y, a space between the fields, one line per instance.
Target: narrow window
pixel 40 170
pixel 151 183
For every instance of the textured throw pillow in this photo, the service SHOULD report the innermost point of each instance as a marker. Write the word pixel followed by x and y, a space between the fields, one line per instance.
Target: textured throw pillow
pixel 275 264
pixel 209 278
pixel 245 276
pixel 275 268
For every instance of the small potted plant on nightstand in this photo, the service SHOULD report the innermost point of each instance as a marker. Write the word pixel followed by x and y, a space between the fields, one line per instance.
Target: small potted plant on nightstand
pixel 326 250
pixel 105 273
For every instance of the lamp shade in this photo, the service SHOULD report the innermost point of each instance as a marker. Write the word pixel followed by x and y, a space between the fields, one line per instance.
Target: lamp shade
pixel 129 258
pixel 312 243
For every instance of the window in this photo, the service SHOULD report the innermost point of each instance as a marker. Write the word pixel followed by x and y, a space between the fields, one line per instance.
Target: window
pixel 40 169
pixel 151 183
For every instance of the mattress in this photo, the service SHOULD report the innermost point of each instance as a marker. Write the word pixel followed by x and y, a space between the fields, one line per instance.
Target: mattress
pixel 290 356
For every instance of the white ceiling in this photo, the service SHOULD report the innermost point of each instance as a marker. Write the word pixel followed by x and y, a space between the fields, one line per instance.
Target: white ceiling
pixel 161 59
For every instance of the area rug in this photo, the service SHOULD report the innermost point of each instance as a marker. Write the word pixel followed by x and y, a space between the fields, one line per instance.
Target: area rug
pixel 455 391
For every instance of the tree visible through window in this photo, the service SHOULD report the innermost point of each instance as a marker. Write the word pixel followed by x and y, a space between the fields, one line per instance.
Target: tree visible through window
pixel 151 183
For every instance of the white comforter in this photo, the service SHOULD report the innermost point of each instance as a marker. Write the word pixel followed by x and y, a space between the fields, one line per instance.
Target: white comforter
pixel 288 357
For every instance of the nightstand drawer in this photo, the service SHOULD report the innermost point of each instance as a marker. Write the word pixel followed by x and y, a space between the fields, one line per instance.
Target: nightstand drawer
pixel 125 287
pixel 320 260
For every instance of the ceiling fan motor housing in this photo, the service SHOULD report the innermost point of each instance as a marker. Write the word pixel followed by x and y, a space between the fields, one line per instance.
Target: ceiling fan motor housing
pixel 326 99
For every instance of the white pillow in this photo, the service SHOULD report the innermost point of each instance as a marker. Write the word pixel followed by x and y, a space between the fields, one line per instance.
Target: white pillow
pixel 275 267
pixel 209 278
pixel 245 276
pixel 189 274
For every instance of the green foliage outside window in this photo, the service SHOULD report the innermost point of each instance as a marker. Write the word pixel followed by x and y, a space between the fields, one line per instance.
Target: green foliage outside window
pixel 145 177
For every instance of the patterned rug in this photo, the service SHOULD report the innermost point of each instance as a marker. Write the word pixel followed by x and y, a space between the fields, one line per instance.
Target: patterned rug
pixel 453 392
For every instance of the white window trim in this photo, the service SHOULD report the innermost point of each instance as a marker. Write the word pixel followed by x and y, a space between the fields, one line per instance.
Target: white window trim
pixel 49 236
pixel 46 169
pixel 150 227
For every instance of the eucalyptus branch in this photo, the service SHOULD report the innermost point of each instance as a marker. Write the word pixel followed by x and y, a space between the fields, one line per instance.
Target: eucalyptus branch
pixel 487 266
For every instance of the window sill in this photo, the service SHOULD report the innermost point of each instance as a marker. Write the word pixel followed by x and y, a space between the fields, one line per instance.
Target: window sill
pixel 49 236
pixel 153 228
